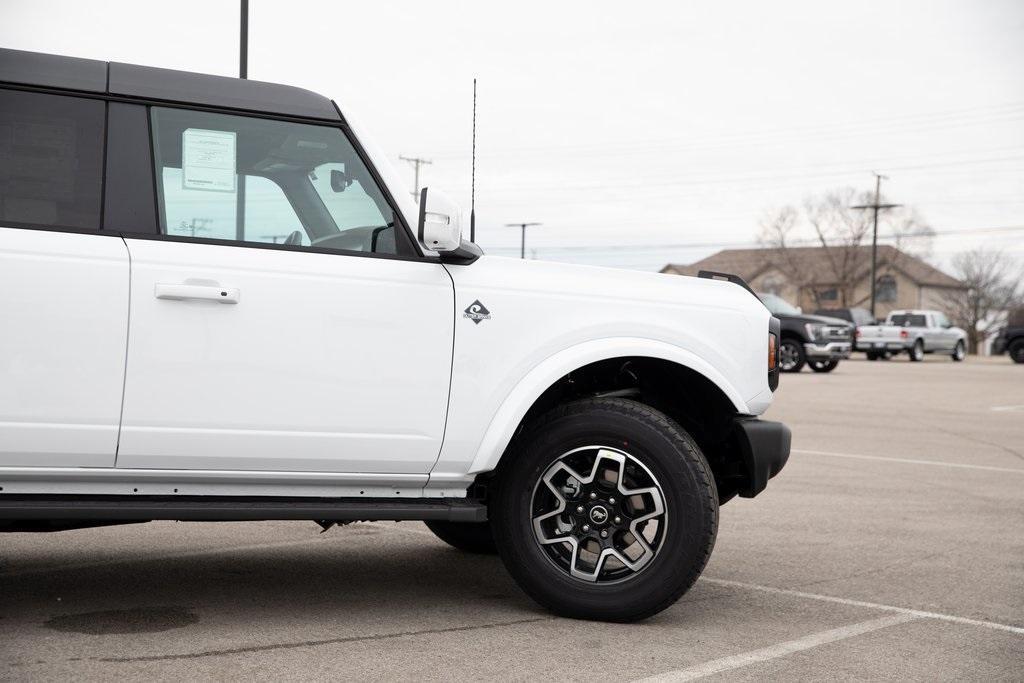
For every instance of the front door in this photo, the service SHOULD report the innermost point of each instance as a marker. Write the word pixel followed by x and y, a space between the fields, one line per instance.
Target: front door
pixel 281 323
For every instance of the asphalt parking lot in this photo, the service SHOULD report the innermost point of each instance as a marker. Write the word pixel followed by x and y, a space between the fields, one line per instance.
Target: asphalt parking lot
pixel 892 546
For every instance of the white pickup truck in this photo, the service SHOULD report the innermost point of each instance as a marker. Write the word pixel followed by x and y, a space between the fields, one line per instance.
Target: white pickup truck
pixel 914 331
pixel 222 305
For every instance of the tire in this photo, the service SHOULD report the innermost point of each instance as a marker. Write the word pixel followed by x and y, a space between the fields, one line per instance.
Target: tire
pixel 872 355
pixel 1017 351
pixel 916 352
pixel 959 352
pixel 636 445
pixel 470 537
pixel 824 365
pixel 791 355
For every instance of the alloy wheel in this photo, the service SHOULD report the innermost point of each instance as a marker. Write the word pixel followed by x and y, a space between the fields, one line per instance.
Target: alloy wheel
pixel 789 356
pixel 599 514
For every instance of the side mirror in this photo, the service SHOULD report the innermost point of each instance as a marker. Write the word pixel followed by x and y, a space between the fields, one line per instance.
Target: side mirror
pixel 440 227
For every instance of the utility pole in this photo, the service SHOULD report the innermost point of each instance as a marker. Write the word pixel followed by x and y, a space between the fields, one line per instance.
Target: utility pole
pixel 876 207
pixel 243 43
pixel 416 163
pixel 522 242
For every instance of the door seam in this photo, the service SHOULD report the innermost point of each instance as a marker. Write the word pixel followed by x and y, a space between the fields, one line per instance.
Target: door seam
pixel 127 342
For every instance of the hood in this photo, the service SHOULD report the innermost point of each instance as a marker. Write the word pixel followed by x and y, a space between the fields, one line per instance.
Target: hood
pixel 619 285
pixel 821 319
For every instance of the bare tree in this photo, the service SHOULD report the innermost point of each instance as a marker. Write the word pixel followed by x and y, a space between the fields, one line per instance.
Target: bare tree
pixel 828 222
pixel 993 286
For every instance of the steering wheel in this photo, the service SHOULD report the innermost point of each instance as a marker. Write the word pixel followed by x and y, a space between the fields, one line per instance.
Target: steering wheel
pixel 295 238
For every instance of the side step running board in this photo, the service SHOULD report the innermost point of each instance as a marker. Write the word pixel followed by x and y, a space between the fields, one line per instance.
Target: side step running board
pixel 236 509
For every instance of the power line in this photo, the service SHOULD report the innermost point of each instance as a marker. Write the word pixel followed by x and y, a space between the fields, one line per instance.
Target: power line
pixel 700 177
pixel 810 241
pixel 921 121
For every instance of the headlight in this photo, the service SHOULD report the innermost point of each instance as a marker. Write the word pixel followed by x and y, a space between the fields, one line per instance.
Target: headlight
pixel 815 331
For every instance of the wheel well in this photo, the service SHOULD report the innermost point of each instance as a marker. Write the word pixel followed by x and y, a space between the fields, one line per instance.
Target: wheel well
pixel 685 395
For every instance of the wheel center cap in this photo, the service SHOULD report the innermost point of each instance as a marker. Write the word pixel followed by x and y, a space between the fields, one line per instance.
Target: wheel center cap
pixel 599 514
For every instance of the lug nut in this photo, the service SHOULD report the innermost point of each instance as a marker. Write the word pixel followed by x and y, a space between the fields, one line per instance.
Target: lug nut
pixel 604 534
pixel 618 520
pixel 586 527
pixel 579 509
pixel 611 501
pixel 593 496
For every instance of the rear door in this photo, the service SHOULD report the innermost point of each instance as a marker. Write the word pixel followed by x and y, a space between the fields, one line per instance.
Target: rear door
pixel 934 334
pixel 63 286
pixel 281 321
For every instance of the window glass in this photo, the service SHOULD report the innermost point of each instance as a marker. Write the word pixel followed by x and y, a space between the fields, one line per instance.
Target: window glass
pixel 907 320
pixel 51 159
pixel 777 305
pixel 258 180
pixel 886 289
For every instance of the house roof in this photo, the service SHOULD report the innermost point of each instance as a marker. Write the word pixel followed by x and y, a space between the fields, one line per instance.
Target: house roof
pixel 749 263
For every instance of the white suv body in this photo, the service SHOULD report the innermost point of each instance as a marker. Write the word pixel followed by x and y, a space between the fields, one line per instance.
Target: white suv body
pixel 220 304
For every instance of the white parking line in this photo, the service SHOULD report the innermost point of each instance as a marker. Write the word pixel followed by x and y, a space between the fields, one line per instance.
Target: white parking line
pixel 778 650
pixel 870 605
pixel 935 463
pixel 1003 409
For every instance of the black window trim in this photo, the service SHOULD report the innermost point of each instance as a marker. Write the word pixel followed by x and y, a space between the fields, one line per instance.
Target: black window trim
pixel 410 239
pixel 21 225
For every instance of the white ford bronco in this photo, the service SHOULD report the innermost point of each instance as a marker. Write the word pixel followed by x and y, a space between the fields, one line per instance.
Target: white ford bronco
pixel 218 303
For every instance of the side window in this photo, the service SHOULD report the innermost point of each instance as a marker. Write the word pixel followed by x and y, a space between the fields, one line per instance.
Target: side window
pixel 51 159
pixel 275 182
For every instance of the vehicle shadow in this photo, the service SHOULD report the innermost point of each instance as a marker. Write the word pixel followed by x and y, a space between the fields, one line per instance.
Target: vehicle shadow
pixel 359 575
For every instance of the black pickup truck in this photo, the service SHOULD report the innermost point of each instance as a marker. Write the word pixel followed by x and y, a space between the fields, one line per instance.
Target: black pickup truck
pixel 1010 339
pixel 814 340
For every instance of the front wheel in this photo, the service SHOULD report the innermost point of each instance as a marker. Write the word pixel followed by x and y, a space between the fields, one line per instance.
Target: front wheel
pixel 824 365
pixel 791 356
pixel 959 353
pixel 1017 351
pixel 606 510
pixel 917 351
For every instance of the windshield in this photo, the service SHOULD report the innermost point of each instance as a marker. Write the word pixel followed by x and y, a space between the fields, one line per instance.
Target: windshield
pixel 907 320
pixel 777 305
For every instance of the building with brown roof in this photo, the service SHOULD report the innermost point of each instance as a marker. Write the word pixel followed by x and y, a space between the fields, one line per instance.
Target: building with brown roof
pixel 834 277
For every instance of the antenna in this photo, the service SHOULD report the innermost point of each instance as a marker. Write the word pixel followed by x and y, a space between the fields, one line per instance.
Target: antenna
pixel 472 182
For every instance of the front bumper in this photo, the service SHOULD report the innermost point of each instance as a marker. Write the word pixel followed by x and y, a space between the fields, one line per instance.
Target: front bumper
pixel 764 447
pixel 829 351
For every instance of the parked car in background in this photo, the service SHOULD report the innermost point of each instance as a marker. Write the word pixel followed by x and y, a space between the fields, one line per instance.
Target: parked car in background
pixel 1010 340
pixel 858 316
pixel 915 331
pixel 815 340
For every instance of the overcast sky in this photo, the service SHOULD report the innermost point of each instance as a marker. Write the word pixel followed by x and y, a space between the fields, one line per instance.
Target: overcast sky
pixel 631 129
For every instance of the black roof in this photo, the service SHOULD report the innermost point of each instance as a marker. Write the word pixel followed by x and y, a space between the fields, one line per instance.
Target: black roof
pixel 151 83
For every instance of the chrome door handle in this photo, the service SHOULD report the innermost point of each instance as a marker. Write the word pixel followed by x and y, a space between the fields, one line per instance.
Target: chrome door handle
pixel 184 292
